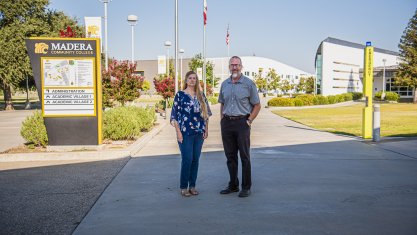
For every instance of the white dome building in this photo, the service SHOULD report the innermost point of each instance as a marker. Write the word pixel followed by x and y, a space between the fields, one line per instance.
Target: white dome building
pixel 252 66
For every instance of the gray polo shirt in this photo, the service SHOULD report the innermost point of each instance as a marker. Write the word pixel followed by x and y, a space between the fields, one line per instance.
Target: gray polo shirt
pixel 238 98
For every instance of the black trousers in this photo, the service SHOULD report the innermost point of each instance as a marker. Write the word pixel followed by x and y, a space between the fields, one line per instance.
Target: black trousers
pixel 236 138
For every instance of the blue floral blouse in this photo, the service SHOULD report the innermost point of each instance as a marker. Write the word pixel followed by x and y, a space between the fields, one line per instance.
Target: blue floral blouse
pixel 186 111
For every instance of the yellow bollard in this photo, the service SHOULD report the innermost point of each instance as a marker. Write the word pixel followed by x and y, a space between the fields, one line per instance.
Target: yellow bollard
pixel 368 74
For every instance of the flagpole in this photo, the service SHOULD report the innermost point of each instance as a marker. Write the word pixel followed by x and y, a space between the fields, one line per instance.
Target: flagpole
pixel 176 46
pixel 204 60
pixel 228 43
pixel 204 46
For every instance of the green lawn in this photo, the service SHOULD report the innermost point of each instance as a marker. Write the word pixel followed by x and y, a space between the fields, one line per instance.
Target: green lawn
pixel 19 101
pixel 396 119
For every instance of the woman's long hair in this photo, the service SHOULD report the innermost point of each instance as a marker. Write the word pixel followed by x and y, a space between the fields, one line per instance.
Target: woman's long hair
pixel 198 93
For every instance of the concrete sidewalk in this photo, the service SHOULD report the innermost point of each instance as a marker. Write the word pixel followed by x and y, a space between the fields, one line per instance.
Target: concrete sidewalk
pixel 304 182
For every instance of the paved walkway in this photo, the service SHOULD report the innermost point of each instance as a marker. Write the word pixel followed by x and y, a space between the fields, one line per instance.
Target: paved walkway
pixel 304 182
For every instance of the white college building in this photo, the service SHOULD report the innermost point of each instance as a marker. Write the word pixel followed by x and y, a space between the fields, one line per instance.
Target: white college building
pixel 338 65
pixel 252 66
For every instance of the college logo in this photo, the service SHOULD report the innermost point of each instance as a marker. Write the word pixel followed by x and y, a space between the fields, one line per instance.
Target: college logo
pixel 92 30
pixel 41 48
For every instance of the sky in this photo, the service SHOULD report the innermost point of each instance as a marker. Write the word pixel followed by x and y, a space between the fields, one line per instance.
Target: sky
pixel 288 31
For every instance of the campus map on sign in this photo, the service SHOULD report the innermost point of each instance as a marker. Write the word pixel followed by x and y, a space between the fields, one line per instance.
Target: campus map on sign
pixel 68 72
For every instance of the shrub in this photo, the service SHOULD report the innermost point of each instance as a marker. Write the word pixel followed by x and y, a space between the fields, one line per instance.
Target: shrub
pixel 124 123
pixel 392 96
pixel 160 105
pixel 146 86
pixel 298 102
pixel 307 99
pixel 34 131
pixel 279 101
pixel 332 99
pixel 347 96
pixel 212 100
pixel 339 98
pixel 357 95
pixel 320 100
pixel 378 95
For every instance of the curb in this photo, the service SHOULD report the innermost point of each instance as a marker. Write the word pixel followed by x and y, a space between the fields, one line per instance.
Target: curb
pixel 342 104
pixel 86 155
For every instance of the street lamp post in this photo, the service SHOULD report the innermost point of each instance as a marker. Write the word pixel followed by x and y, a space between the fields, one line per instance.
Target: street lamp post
pixel 105 34
pixel 167 44
pixel 132 20
pixel 383 80
pixel 181 51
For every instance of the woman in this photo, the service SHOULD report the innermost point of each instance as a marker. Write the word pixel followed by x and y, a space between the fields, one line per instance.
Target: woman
pixel 189 116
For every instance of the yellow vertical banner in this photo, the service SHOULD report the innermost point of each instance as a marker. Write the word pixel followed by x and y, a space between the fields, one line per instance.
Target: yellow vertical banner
pixel 368 74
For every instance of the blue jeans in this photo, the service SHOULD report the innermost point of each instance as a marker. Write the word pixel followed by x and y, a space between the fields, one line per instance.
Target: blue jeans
pixel 190 154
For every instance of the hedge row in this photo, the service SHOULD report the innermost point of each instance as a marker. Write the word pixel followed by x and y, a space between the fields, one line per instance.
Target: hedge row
pixel 390 96
pixel 308 99
pixel 120 123
pixel 127 122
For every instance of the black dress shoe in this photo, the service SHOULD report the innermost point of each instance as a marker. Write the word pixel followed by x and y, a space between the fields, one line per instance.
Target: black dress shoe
pixel 244 193
pixel 229 190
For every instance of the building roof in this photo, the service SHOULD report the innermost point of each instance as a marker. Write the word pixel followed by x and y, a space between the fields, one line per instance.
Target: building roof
pixel 350 44
pixel 357 45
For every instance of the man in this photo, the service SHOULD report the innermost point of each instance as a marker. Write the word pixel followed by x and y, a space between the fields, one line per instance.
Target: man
pixel 239 107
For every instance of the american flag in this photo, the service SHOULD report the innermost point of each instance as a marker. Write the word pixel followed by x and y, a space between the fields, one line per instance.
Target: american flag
pixel 205 12
pixel 227 36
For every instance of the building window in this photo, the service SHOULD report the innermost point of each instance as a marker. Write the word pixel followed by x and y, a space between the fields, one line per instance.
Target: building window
pixel 403 91
pixel 139 72
pixel 338 62
pixel 319 64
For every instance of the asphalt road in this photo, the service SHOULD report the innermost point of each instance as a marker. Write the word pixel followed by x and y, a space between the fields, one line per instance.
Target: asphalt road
pixel 52 199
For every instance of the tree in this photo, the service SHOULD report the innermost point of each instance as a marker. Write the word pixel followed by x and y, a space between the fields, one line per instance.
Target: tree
pixel 120 83
pixel 197 62
pixel 165 86
pixel 286 86
pixel 309 88
pixel 260 82
pixel 407 70
pixel 306 85
pixel 273 80
pixel 20 20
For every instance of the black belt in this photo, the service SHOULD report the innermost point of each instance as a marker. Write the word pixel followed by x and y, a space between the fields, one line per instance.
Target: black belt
pixel 236 117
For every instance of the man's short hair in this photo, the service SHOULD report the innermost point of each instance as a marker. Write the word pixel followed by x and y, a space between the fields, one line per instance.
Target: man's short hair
pixel 235 57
